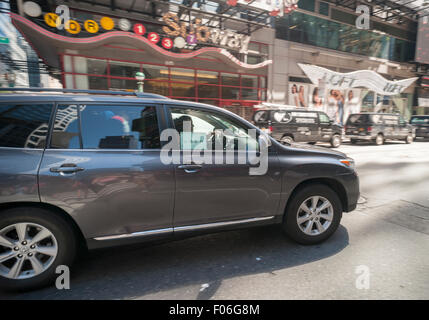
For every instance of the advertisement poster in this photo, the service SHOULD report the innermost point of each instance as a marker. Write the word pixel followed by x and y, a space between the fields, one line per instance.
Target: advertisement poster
pixel 337 104
pixel 298 94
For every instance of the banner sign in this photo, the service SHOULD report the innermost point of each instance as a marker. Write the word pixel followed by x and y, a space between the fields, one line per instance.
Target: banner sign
pixel 274 7
pixel 362 78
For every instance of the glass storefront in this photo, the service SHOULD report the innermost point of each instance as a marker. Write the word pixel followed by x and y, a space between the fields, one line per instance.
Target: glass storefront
pixel 207 86
pixel 312 30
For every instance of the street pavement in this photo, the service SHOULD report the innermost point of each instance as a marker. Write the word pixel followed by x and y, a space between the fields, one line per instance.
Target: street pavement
pixel 387 236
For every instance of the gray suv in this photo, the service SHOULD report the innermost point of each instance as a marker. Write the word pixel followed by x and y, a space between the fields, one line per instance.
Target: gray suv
pixel 84 171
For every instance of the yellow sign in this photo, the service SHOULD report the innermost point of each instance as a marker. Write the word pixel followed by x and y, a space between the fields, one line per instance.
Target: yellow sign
pixel 107 23
pixel 72 27
pixel 91 26
pixel 51 19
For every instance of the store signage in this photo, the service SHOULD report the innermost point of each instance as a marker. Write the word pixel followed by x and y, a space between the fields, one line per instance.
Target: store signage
pixel 274 7
pixel 362 78
pixel 196 32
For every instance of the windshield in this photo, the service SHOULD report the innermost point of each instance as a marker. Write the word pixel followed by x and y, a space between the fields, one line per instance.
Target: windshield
pixel 420 120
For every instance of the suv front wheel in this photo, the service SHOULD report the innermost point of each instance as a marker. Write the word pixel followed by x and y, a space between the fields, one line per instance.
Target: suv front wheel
pixel 33 242
pixel 335 141
pixel 313 214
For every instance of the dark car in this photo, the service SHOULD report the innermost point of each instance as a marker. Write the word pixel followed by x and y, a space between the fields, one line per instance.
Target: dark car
pixel 87 171
pixel 378 127
pixel 298 125
pixel 421 123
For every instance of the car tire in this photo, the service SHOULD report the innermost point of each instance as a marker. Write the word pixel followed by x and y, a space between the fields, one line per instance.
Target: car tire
pixel 409 139
pixel 379 140
pixel 34 264
pixel 295 214
pixel 287 140
pixel 336 141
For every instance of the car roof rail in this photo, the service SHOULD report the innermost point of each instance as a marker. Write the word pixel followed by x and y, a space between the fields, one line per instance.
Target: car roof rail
pixel 107 92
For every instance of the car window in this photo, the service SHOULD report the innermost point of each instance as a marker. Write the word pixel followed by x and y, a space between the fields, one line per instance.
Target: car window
pixel 65 133
pixel 420 120
pixel 324 118
pixel 24 126
pixel 390 120
pixel 119 127
pixel 402 121
pixel 357 119
pixel 204 128
pixel 377 119
pixel 261 116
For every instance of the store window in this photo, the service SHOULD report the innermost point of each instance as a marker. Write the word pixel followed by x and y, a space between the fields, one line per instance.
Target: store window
pixel 308 5
pixel 123 69
pixel 96 66
pixel 155 72
pixel 124 84
pixel 324 8
pixel 24 126
pixel 175 82
pixel 231 93
pixel 249 81
pixel 230 79
pixel 208 77
pixel 181 74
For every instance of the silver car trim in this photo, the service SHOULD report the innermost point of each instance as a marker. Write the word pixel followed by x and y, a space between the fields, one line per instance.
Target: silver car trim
pixel 184 228
pixel 135 234
pixel 220 224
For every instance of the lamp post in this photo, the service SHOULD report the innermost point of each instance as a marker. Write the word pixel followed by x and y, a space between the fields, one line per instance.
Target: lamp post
pixel 140 78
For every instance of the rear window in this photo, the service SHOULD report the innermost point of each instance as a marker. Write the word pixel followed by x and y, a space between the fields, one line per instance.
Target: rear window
pixel 358 119
pixel 420 120
pixel 24 126
pixel 261 116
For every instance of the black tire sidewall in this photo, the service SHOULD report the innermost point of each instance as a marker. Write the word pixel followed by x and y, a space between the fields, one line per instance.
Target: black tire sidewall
pixel 290 224
pixel 63 233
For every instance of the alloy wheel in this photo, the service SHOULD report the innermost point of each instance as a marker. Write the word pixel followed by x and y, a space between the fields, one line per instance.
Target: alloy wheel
pixel 26 250
pixel 315 215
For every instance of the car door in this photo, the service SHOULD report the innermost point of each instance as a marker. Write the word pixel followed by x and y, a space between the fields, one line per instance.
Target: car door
pixel 306 125
pixel 403 128
pixel 325 127
pixel 103 167
pixel 219 191
pixel 390 126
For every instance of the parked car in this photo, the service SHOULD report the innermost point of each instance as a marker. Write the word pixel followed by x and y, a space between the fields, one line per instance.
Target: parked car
pixel 421 123
pixel 298 125
pixel 85 171
pixel 378 127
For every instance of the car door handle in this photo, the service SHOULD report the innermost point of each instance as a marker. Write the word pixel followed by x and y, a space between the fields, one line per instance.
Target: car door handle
pixel 190 168
pixel 66 168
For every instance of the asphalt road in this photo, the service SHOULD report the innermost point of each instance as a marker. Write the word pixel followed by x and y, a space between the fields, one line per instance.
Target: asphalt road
pixel 388 236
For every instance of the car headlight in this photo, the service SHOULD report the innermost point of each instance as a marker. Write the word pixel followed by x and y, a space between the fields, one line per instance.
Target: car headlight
pixel 348 162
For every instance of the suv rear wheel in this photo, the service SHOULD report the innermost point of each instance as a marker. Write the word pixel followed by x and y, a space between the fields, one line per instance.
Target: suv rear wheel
pixel 287 140
pixel 313 214
pixel 409 139
pixel 379 140
pixel 33 242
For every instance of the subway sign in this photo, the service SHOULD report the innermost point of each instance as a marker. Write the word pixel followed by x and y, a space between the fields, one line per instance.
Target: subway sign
pixel 182 33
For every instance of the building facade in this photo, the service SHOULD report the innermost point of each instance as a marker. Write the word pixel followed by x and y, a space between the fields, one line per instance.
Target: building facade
pixel 232 54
